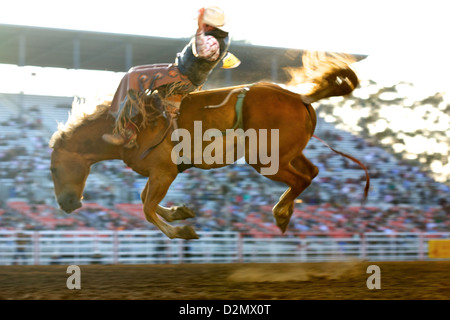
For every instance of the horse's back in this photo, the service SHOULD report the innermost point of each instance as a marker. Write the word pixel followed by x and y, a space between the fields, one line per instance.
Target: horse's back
pixel 266 106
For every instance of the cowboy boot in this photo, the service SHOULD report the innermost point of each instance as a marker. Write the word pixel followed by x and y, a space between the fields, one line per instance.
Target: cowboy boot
pixel 128 141
pixel 115 139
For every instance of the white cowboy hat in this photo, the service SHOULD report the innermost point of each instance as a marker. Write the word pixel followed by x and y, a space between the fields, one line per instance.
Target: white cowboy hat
pixel 214 16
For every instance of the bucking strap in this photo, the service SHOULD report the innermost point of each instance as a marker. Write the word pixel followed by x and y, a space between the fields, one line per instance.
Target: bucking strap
pixel 367 187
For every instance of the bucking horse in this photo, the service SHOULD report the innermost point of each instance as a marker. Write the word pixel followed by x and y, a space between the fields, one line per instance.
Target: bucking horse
pixel 259 108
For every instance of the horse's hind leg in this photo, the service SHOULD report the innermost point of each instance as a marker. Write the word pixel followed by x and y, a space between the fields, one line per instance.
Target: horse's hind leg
pixel 152 194
pixel 297 174
pixel 302 164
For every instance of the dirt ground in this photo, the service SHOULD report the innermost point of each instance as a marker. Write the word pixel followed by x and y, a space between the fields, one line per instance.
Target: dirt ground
pixel 293 281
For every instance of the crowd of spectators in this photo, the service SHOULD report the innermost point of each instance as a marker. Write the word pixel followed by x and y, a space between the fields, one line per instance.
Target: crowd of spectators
pixel 404 197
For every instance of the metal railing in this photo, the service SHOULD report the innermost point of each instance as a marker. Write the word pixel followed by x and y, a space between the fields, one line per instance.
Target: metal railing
pixel 151 247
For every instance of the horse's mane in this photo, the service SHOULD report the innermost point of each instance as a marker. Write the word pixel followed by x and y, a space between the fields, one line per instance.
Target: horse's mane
pixel 81 113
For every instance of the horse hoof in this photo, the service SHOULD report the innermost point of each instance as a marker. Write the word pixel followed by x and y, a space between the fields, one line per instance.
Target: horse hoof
pixel 185 212
pixel 283 224
pixel 186 233
pixel 182 213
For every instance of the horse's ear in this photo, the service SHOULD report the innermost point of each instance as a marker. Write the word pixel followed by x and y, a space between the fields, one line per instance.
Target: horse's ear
pixel 56 140
pixel 61 139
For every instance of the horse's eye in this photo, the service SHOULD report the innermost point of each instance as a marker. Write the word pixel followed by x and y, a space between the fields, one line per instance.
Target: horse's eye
pixel 53 170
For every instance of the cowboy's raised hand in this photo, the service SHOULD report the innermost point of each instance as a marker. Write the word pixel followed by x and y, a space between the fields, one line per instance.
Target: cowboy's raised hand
pixel 201 13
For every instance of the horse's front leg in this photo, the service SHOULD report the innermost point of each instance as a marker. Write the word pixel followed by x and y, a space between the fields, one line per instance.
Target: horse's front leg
pixel 175 213
pixel 154 191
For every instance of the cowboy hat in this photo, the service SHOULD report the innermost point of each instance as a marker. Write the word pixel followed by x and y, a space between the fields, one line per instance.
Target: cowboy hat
pixel 215 17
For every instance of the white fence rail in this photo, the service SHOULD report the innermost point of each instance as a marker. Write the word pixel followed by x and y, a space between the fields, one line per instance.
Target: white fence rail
pixel 147 247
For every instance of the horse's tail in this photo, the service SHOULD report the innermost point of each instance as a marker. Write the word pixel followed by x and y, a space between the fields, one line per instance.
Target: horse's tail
pixel 324 75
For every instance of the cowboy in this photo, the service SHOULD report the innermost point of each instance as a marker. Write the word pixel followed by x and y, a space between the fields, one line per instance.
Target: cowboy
pixel 190 71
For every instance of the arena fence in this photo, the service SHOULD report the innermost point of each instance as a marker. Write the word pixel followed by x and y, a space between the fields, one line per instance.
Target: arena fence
pixel 151 247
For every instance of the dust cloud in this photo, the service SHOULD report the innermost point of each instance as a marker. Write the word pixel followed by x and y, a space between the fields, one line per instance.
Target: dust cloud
pixel 298 272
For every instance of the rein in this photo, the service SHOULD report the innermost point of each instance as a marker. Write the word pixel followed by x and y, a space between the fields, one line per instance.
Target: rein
pixel 164 135
pixel 227 98
pixel 171 123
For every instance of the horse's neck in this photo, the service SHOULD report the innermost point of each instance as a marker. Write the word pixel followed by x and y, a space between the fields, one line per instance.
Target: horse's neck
pixel 87 140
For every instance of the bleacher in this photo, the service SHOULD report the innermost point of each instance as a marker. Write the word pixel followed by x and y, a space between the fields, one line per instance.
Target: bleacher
pixel 49 109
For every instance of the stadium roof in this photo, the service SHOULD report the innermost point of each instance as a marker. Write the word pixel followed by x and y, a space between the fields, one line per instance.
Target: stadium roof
pixel 74 49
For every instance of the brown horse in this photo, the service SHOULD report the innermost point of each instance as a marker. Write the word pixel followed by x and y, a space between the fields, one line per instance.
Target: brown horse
pixel 288 116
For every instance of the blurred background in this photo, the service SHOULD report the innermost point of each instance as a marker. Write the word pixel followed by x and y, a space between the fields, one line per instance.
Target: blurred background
pixel 397 122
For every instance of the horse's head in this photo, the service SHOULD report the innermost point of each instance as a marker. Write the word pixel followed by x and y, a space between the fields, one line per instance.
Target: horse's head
pixel 76 146
pixel 69 173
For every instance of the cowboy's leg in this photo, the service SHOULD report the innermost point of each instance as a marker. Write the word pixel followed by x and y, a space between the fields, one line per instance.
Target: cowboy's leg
pixel 133 86
pixel 126 129
pixel 172 91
